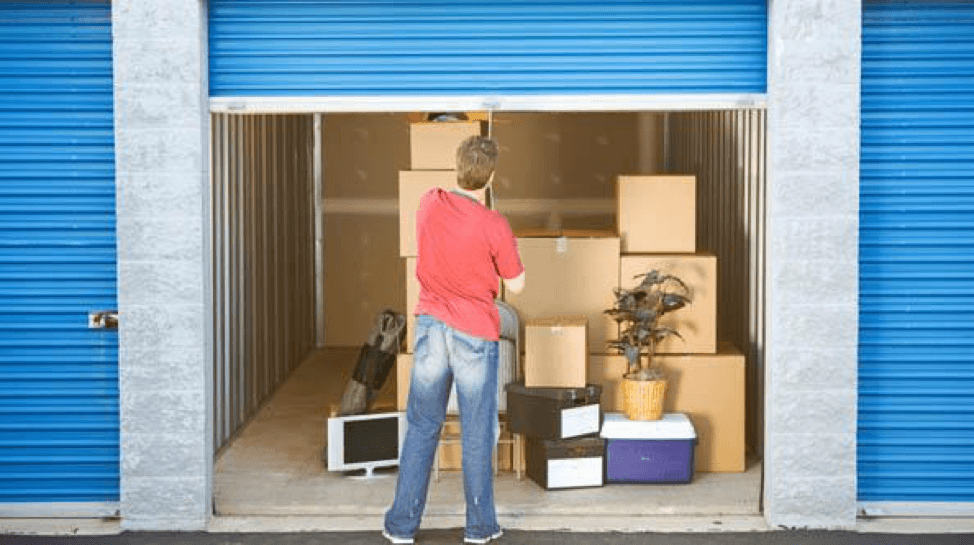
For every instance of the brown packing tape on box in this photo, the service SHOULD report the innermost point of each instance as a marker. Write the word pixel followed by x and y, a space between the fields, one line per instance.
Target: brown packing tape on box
pixel 555 352
pixel 570 276
pixel 433 145
pixel 657 214
pixel 696 322
pixel 709 388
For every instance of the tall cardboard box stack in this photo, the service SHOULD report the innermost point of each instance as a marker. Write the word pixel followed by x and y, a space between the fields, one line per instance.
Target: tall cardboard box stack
pixel 657 227
pixel 570 280
pixel 433 149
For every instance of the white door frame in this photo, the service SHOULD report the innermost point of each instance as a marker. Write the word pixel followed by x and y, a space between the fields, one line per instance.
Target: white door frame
pixel 509 103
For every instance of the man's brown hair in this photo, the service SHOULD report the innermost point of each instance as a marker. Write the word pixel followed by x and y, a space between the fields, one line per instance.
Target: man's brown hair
pixel 476 161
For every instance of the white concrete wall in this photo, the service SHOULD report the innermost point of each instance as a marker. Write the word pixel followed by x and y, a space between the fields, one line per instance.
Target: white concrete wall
pixel 161 135
pixel 812 308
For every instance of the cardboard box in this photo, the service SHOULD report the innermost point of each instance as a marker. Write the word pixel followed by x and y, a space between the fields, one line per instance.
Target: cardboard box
pixel 451 451
pixel 555 352
pixel 413 185
pixel 696 322
pixel 657 214
pixel 412 299
pixel 570 277
pixel 421 117
pixel 433 146
pixel 404 366
pixel 708 388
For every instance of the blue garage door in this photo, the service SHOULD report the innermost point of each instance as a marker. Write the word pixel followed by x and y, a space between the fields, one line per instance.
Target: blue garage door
pixel 504 47
pixel 916 360
pixel 59 421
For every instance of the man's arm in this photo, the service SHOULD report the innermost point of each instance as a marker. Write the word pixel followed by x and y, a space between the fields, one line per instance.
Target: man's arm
pixel 516 284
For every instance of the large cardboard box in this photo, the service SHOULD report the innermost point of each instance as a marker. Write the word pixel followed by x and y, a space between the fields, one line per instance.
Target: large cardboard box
pixel 555 352
pixel 570 276
pixel 412 299
pixel 433 146
pixel 696 322
pixel 708 388
pixel 657 214
pixel 413 184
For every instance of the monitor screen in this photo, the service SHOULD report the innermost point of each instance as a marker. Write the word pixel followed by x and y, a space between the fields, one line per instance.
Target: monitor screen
pixel 371 440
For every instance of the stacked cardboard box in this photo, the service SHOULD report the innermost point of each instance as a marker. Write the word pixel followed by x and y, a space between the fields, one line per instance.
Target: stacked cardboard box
pixel 708 388
pixel 657 226
pixel 433 148
pixel 569 273
pixel 433 165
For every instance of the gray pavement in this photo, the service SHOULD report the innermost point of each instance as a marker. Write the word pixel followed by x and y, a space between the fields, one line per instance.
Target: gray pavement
pixel 436 537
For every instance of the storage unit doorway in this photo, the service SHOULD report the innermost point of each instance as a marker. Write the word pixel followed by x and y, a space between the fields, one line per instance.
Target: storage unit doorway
pixel 277 379
pixel 656 86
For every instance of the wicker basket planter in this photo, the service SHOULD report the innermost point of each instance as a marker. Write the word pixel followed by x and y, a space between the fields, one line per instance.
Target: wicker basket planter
pixel 643 399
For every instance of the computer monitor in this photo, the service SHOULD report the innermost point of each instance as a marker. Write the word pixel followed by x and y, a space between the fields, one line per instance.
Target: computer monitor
pixel 366 441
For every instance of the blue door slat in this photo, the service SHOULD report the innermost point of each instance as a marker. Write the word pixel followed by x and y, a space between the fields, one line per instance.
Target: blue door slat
pixel 59 399
pixel 916 274
pixel 320 47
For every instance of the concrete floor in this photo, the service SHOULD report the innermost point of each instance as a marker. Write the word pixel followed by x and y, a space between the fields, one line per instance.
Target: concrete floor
pixel 273 468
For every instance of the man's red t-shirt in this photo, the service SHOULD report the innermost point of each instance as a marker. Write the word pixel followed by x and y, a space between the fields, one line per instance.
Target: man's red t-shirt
pixel 463 248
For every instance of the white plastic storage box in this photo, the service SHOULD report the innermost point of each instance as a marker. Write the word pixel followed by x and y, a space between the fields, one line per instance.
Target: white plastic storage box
pixel 565 463
pixel 649 451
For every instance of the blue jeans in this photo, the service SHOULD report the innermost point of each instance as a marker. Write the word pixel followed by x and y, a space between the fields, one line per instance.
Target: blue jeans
pixel 443 354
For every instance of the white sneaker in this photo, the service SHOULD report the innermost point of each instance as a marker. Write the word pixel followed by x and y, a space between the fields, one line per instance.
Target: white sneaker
pixel 398 540
pixel 481 540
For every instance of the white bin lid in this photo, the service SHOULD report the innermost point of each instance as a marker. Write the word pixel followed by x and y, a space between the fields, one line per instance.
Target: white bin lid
pixel 672 426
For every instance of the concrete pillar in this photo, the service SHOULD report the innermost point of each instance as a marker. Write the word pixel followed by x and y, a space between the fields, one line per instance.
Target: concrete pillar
pixel 812 300
pixel 161 142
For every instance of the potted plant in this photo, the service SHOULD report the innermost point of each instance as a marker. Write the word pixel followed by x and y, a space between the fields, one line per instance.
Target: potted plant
pixel 638 312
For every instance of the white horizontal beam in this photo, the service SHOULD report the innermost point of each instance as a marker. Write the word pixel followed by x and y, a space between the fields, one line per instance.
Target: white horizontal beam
pixel 509 103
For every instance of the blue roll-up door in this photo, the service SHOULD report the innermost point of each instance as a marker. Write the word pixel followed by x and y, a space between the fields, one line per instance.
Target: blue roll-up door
pixel 916 357
pixel 59 420
pixel 505 47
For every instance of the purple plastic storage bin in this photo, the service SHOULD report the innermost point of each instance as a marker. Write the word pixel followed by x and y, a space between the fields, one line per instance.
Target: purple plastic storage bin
pixel 656 451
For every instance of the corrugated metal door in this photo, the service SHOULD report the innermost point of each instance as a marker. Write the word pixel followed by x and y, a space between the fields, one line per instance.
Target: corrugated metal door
pixel 59 420
pixel 505 47
pixel 916 356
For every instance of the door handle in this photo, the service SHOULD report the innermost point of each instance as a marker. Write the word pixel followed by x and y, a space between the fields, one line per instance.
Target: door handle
pixel 105 319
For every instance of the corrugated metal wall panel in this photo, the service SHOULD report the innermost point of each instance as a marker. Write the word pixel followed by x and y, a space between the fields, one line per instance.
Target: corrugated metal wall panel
pixel 263 259
pixel 384 47
pixel 916 338
pixel 59 420
pixel 725 150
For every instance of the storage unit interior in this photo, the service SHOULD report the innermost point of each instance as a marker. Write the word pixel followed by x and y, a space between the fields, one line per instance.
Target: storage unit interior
pixel 292 308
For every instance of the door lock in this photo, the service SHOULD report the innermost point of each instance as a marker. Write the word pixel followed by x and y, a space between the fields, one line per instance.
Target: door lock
pixel 106 319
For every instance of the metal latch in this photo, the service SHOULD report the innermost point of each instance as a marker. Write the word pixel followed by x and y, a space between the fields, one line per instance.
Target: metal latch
pixel 105 319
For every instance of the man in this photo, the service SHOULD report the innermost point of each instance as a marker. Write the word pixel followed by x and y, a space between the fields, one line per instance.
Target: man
pixel 463 248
